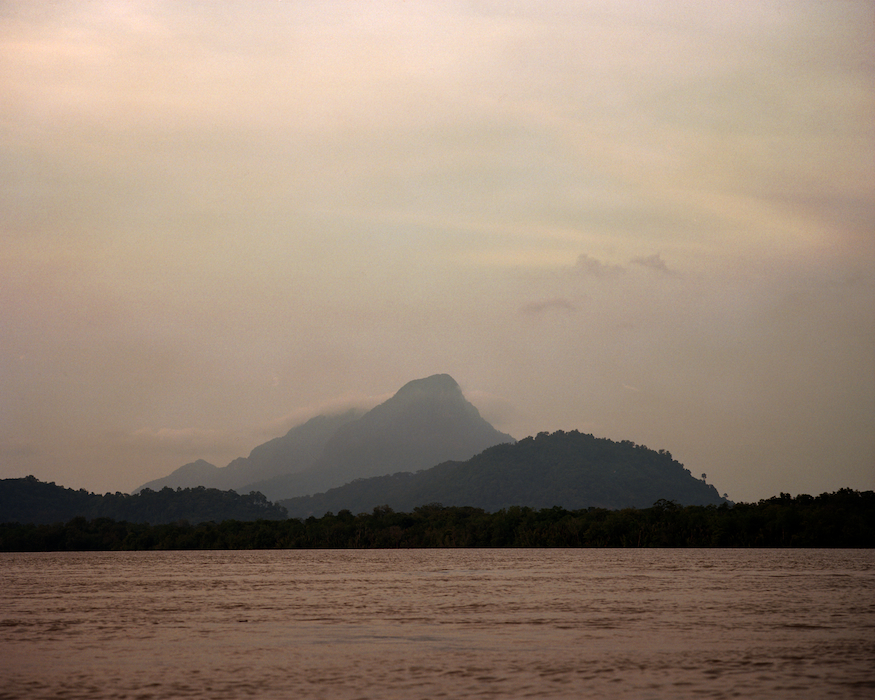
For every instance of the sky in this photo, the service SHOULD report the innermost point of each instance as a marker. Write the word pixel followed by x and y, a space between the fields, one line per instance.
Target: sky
pixel 645 221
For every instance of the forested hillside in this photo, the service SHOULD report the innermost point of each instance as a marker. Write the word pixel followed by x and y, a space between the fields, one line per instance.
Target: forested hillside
pixel 568 469
pixel 29 500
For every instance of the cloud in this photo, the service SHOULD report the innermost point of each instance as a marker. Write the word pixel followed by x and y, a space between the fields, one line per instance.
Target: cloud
pixel 592 267
pixel 654 262
pixel 537 308
pixel 189 441
pixel 498 410
pixel 329 407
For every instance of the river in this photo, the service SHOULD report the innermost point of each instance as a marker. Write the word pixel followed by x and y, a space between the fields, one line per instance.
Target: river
pixel 471 623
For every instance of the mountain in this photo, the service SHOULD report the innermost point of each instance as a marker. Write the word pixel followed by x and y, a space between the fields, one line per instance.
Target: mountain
pixel 297 450
pixel 572 470
pixel 428 421
pixel 29 500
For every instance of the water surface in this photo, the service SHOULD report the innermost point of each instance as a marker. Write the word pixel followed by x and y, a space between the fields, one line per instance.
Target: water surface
pixel 546 623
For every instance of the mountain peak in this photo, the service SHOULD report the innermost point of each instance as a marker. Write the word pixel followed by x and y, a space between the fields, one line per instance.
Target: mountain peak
pixel 426 422
pixel 436 383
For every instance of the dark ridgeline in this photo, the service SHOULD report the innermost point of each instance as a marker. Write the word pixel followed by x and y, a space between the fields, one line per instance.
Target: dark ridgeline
pixel 29 500
pixel 566 469
pixel 428 421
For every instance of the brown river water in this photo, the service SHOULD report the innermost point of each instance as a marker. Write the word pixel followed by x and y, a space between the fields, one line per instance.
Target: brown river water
pixel 473 623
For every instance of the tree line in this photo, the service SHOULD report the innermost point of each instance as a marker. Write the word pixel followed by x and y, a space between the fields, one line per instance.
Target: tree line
pixel 845 518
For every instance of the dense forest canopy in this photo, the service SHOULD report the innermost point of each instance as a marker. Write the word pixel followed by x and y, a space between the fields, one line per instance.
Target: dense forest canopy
pixel 845 518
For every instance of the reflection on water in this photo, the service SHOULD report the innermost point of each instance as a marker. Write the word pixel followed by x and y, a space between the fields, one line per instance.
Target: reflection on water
pixel 439 623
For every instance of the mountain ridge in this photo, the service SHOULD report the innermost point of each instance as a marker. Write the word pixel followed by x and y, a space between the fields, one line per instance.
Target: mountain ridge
pixel 426 422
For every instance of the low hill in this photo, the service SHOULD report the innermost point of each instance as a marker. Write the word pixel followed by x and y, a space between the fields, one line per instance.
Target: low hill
pixel 567 469
pixel 30 500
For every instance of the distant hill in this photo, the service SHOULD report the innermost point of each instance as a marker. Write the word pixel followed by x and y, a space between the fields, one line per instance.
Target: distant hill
pixel 428 421
pixel 30 500
pixel 571 470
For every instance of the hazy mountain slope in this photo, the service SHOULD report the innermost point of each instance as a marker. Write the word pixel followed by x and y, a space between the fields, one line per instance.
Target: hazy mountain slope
pixel 572 470
pixel 428 421
pixel 295 451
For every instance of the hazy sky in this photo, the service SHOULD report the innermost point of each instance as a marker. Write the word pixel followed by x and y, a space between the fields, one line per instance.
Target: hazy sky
pixel 647 221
